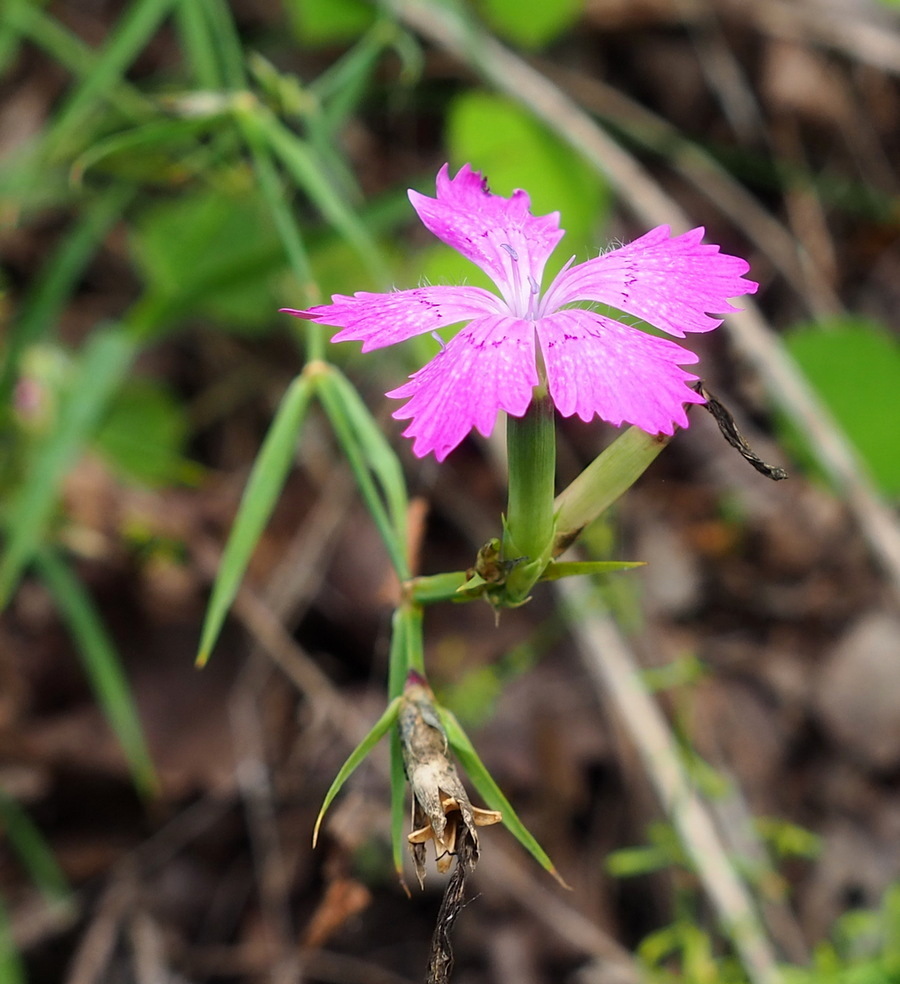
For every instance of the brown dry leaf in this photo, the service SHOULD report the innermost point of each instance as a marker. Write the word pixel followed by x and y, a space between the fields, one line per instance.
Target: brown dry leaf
pixel 343 899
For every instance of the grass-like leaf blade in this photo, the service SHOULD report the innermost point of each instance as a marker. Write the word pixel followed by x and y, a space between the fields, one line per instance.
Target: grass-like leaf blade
pixel 266 481
pixel 378 452
pixel 490 791
pixel 33 851
pixel 359 449
pixel 12 968
pixel 573 568
pixel 355 758
pixel 103 364
pixel 102 665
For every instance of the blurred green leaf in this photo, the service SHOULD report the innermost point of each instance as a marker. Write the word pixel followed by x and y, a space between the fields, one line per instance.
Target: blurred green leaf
pixel 130 35
pixel 144 433
pixel 312 177
pixel 531 23
pixel 101 367
pixel 212 253
pixel 329 21
pixel 263 488
pixel 51 289
pixel 512 150
pixel 854 365
pixel 33 850
pixel 629 862
pixel 102 665
pixel 788 840
pixel 156 153
pixel 12 969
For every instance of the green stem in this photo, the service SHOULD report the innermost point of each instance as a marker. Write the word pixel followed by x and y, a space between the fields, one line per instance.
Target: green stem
pixel 528 533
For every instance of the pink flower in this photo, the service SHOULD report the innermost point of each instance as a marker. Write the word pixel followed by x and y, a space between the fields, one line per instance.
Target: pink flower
pixel 592 363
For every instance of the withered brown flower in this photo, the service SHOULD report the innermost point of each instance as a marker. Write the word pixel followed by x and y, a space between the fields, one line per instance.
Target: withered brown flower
pixel 440 801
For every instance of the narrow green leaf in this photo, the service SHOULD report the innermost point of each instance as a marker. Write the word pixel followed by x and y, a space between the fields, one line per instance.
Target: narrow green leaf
pixel 358 453
pixel 104 361
pixel 132 33
pixel 270 185
pixel 102 665
pixel 225 40
pixel 490 791
pixel 554 571
pixel 42 306
pixel 428 589
pixel 301 163
pixel 379 454
pixel 263 488
pixel 27 18
pixel 407 652
pixel 140 142
pixel 344 83
pixel 607 477
pixel 398 804
pixel 196 43
pixel 356 757
pixel 33 850
pixel 12 969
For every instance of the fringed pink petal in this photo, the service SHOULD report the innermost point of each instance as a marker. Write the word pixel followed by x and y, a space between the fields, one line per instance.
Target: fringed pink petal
pixel 499 234
pixel 488 366
pixel 377 320
pixel 599 366
pixel 673 283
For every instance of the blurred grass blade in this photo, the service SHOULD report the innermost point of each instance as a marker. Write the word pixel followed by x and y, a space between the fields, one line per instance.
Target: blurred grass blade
pixel 104 362
pixel 12 969
pixel 301 163
pixel 223 39
pixel 266 481
pixel 33 850
pixel 246 113
pixel 102 665
pixel 342 85
pixel 197 45
pixel 132 33
pixel 359 453
pixel 490 791
pixel 356 757
pixel 10 30
pixel 52 287
pixel 381 457
pixel 147 137
pixel 577 567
